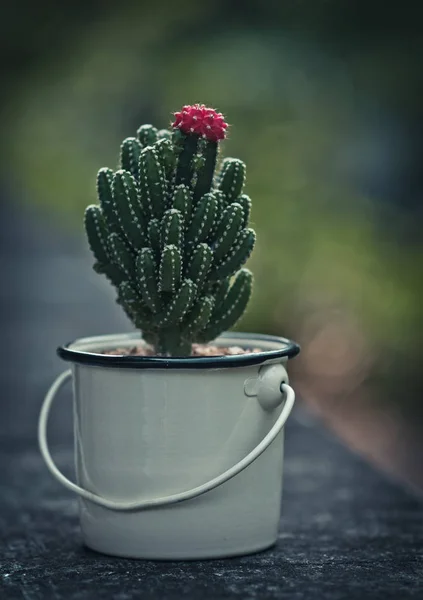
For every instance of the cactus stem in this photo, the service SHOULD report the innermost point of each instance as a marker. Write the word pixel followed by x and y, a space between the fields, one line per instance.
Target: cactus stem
pixel 206 172
pixel 185 168
pixel 171 240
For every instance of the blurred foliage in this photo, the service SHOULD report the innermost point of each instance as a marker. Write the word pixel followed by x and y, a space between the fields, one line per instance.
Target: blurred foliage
pixel 296 86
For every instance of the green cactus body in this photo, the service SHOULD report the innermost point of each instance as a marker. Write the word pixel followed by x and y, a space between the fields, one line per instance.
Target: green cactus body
pixel 203 219
pixel 221 201
pixel 152 183
pixel 164 134
pixel 198 317
pixel 182 201
pixel 185 167
pixel 232 178
pixel 166 156
pixel 111 271
pixel 146 274
pixel 219 289
pixel 132 305
pixel 221 204
pixel 245 202
pixel 170 342
pixel 147 135
pixel 228 230
pixel 236 257
pixel 170 269
pixel 199 265
pixel 105 196
pixel 206 171
pixel 97 233
pixel 121 256
pixel 128 209
pixel 179 305
pixel 228 312
pixel 154 236
pixel 171 240
pixel 130 151
pixel 172 229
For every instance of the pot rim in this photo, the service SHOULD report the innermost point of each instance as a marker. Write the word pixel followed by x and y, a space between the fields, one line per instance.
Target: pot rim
pixel 288 349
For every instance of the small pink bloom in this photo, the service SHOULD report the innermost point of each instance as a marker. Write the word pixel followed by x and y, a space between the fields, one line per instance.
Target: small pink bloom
pixel 201 120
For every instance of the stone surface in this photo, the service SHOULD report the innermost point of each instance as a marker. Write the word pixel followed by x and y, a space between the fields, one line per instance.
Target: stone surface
pixel 346 531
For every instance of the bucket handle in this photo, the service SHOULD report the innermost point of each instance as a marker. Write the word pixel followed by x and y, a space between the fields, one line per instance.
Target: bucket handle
pixel 286 390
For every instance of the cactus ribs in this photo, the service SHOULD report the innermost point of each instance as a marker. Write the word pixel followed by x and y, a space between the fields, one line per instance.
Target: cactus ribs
pixel 172 235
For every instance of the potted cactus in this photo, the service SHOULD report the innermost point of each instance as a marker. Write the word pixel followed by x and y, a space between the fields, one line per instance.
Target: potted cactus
pixel 179 428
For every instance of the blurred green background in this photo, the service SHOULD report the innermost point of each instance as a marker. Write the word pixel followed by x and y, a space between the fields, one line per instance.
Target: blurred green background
pixel 324 102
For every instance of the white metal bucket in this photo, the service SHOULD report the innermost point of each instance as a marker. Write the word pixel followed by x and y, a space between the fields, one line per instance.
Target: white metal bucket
pixel 177 458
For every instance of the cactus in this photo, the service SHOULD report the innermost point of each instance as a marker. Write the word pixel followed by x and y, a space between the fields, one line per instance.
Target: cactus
pixel 172 235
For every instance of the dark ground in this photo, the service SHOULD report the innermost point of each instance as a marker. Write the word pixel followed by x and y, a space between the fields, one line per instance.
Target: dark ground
pixel 346 531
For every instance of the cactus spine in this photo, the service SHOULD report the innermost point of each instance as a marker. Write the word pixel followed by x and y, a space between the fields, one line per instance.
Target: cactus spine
pixel 172 235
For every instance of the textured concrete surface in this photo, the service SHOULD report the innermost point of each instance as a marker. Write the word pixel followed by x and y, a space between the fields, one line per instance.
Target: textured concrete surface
pixel 346 531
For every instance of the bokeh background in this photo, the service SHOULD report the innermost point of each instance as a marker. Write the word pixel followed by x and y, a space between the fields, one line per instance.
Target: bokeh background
pixel 325 102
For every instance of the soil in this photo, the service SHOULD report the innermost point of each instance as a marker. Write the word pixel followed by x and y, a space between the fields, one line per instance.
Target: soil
pixel 197 350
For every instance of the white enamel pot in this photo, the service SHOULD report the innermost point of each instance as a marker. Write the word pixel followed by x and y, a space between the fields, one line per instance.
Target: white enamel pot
pixel 177 458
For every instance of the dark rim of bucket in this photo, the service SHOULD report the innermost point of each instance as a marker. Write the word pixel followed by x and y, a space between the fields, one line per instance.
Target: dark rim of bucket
pixel 289 349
